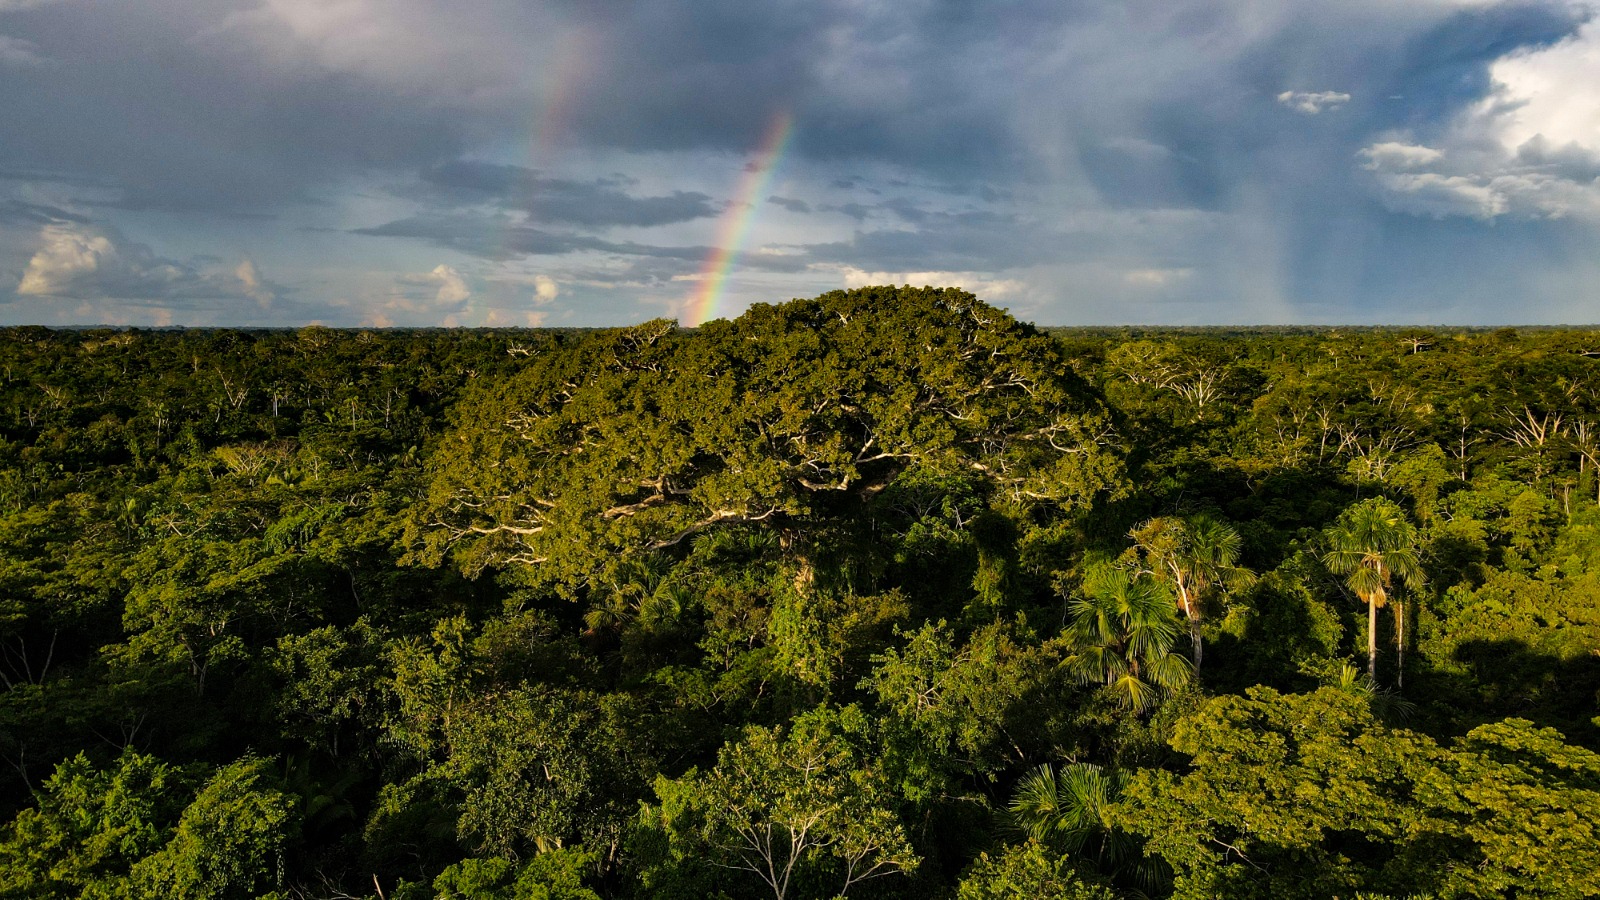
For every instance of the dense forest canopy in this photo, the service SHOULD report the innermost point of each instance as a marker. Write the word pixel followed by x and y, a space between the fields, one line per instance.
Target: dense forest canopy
pixel 878 594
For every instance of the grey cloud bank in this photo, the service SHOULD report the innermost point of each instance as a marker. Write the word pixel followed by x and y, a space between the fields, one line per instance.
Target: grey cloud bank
pixel 417 162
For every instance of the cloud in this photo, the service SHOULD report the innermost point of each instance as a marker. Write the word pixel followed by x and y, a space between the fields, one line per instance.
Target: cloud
pixel 1314 102
pixel 1394 156
pixel 452 287
pixel 1156 278
pixel 1528 150
pixel 987 287
pixel 438 296
pixel 1436 195
pixel 150 103
pixel 87 262
pixel 21 212
pixel 442 287
pixel 502 237
pixel 18 52
pixel 545 289
pixel 1550 92
pixel 928 138
pixel 253 285
pixel 592 204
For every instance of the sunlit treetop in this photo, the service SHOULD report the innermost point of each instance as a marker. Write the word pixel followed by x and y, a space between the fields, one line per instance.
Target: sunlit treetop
pixel 790 415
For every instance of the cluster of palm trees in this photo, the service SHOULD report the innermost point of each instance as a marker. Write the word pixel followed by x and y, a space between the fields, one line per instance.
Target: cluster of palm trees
pixel 1131 613
pixel 1371 545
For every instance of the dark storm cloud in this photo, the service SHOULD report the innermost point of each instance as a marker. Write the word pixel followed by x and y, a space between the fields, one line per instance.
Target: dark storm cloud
pixel 18 212
pixel 1569 161
pixel 1238 139
pixel 593 204
pixel 182 113
pixel 1446 66
pixel 497 237
pixel 141 98
pixel 1199 138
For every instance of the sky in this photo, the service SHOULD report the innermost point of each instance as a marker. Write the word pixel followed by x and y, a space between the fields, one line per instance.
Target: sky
pixel 601 162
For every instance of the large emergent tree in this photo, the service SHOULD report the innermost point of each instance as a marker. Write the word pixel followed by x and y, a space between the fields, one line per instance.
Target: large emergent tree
pixel 1371 545
pixel 789 417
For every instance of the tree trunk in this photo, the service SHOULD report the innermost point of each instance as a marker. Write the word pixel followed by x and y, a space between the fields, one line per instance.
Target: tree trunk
pixel 1372 639
pixel 792 541
pixel 1191 612
pixel 1399 642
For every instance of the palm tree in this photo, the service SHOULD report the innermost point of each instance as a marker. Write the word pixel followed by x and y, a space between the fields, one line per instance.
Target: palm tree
pixel 1065 809
pixel 1122 631
pixel 1385 704
pixel 1371 544
pixel 1193 556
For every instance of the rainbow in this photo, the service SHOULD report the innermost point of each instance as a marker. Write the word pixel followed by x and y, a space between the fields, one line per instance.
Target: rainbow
pixel 736 222
pixel 562 78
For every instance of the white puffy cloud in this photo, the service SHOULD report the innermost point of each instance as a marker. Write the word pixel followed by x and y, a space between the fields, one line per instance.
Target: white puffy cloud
pixel 1528 150
pixel 441 288
pixel 1529 184
pixel 545 289
pixel 1438 196
pixel 1313 102
pixel 86 262
pixel 452 287
pixel 1552 92
pixel 438 296
pixel 1395 156
pixel 983 284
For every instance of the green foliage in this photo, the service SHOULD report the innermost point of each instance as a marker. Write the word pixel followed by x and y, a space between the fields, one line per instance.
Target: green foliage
pixel 542 768
pixel 229 842
pixel 818 590
pixel 1309 795
pixel 1196 558
pixel 90 827
pixel 641 438
pixel 802 806
pixel 111 834
pixel 554 875
pixel 1027 872
pixel 1372 545
pixel 1122 632
pixel 1066 810
pixel 960 707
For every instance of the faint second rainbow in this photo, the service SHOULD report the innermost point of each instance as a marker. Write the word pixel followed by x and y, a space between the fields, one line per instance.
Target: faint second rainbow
pixel 736 222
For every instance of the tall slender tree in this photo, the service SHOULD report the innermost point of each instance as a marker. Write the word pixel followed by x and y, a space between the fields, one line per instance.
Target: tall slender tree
pixel 1194 556
pixel 1371 545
